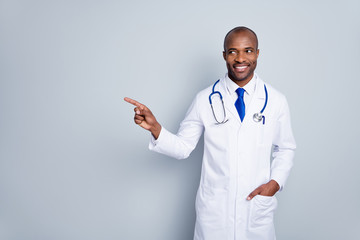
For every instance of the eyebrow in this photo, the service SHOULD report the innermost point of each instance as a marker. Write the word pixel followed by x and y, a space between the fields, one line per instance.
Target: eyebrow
pixel 236 49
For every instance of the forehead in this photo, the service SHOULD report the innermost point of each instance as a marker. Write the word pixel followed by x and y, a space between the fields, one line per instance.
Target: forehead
pixel 241 39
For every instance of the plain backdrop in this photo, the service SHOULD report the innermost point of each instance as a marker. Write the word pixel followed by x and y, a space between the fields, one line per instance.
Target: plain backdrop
pixel 73 165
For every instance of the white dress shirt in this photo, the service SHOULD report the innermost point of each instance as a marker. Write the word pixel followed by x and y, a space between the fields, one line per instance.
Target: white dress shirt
pixel 249 90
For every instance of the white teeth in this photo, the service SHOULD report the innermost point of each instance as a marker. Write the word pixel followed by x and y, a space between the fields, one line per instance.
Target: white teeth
pixel 242 67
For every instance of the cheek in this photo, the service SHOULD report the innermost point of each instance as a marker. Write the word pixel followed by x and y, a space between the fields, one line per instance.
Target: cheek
pixel 228 66
pixel 230 59
pixel 253 60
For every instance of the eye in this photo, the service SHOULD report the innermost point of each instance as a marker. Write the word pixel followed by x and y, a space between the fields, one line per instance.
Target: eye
pixel 231 52
pixel 249 51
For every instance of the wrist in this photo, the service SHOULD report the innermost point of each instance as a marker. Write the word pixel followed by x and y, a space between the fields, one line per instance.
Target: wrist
pixel 155 131
pixel 274 184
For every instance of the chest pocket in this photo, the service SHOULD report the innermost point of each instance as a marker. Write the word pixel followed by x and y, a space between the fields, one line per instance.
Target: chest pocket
pixel 266 131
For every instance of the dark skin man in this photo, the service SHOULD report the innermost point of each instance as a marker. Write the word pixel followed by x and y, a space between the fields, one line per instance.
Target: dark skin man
pixel 240 53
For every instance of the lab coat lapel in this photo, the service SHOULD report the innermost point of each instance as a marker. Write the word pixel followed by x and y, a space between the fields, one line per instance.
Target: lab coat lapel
pixel 229 104
pixel 256 103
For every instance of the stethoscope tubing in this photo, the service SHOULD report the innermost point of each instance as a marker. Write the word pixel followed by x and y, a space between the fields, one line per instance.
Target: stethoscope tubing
pixel 266 99
pixel 215 92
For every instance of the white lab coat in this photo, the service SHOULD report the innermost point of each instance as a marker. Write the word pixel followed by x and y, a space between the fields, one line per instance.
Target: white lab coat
pixel 236 160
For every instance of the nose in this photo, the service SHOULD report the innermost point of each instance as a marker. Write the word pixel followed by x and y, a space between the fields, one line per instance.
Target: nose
pixel 240 57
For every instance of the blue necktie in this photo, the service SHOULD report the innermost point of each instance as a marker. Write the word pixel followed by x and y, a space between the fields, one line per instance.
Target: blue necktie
pixel 239 104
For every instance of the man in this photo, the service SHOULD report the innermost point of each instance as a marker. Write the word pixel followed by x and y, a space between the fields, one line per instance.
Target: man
pixel 235 199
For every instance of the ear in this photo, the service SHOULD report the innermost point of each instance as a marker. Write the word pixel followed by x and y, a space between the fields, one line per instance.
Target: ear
pixel 224 55
pixel 257 52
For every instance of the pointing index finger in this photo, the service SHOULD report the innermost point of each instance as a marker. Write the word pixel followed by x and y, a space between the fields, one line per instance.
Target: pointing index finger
pixel 133 102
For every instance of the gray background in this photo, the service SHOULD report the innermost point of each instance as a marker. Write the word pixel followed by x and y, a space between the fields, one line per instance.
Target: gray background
pixel 74 166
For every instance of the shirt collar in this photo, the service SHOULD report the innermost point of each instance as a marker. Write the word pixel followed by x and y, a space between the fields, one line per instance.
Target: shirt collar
pixel 249 87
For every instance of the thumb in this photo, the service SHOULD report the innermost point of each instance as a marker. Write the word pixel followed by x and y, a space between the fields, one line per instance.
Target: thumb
pixel 253 194
pixel 146 112
pixel 140 110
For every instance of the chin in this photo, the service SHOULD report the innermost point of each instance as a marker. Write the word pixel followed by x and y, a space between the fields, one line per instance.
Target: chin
pixel 239 78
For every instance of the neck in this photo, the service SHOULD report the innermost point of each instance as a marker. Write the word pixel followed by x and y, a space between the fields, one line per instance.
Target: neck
pixel 242 82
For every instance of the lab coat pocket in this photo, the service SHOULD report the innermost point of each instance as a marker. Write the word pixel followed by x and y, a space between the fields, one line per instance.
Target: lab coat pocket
pixel 211 207
pixel 265 131
pixel 262 211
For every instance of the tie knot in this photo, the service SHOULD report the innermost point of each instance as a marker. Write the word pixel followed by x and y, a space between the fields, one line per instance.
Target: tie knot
pixel 240 92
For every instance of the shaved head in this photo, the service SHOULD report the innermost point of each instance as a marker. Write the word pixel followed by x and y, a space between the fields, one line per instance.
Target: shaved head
pixel 241 53
pixel 238 30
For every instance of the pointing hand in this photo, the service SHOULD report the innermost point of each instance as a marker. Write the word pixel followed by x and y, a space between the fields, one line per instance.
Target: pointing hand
pixel 144 118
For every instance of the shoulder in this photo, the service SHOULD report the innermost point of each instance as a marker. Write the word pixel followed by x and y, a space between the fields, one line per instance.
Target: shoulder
pixel 277 103
pixel 273 93
pixel 203 95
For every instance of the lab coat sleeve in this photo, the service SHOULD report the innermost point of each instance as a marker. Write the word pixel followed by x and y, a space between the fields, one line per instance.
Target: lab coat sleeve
pixel 284 147
pixel 180 145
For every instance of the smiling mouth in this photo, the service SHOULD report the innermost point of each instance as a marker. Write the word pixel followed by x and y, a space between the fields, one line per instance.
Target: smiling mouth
pixel 240 68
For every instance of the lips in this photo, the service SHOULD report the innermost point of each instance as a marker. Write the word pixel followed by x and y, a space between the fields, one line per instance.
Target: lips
pixel 240 68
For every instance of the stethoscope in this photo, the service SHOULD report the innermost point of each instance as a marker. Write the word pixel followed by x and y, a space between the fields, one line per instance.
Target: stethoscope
pixel 257 116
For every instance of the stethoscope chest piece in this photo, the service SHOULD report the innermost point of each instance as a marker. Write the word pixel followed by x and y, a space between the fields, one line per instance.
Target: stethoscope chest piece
pixel 257 117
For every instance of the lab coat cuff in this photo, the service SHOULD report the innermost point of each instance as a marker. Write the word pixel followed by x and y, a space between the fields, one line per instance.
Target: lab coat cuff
pixel 279 179
pixel 153 142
